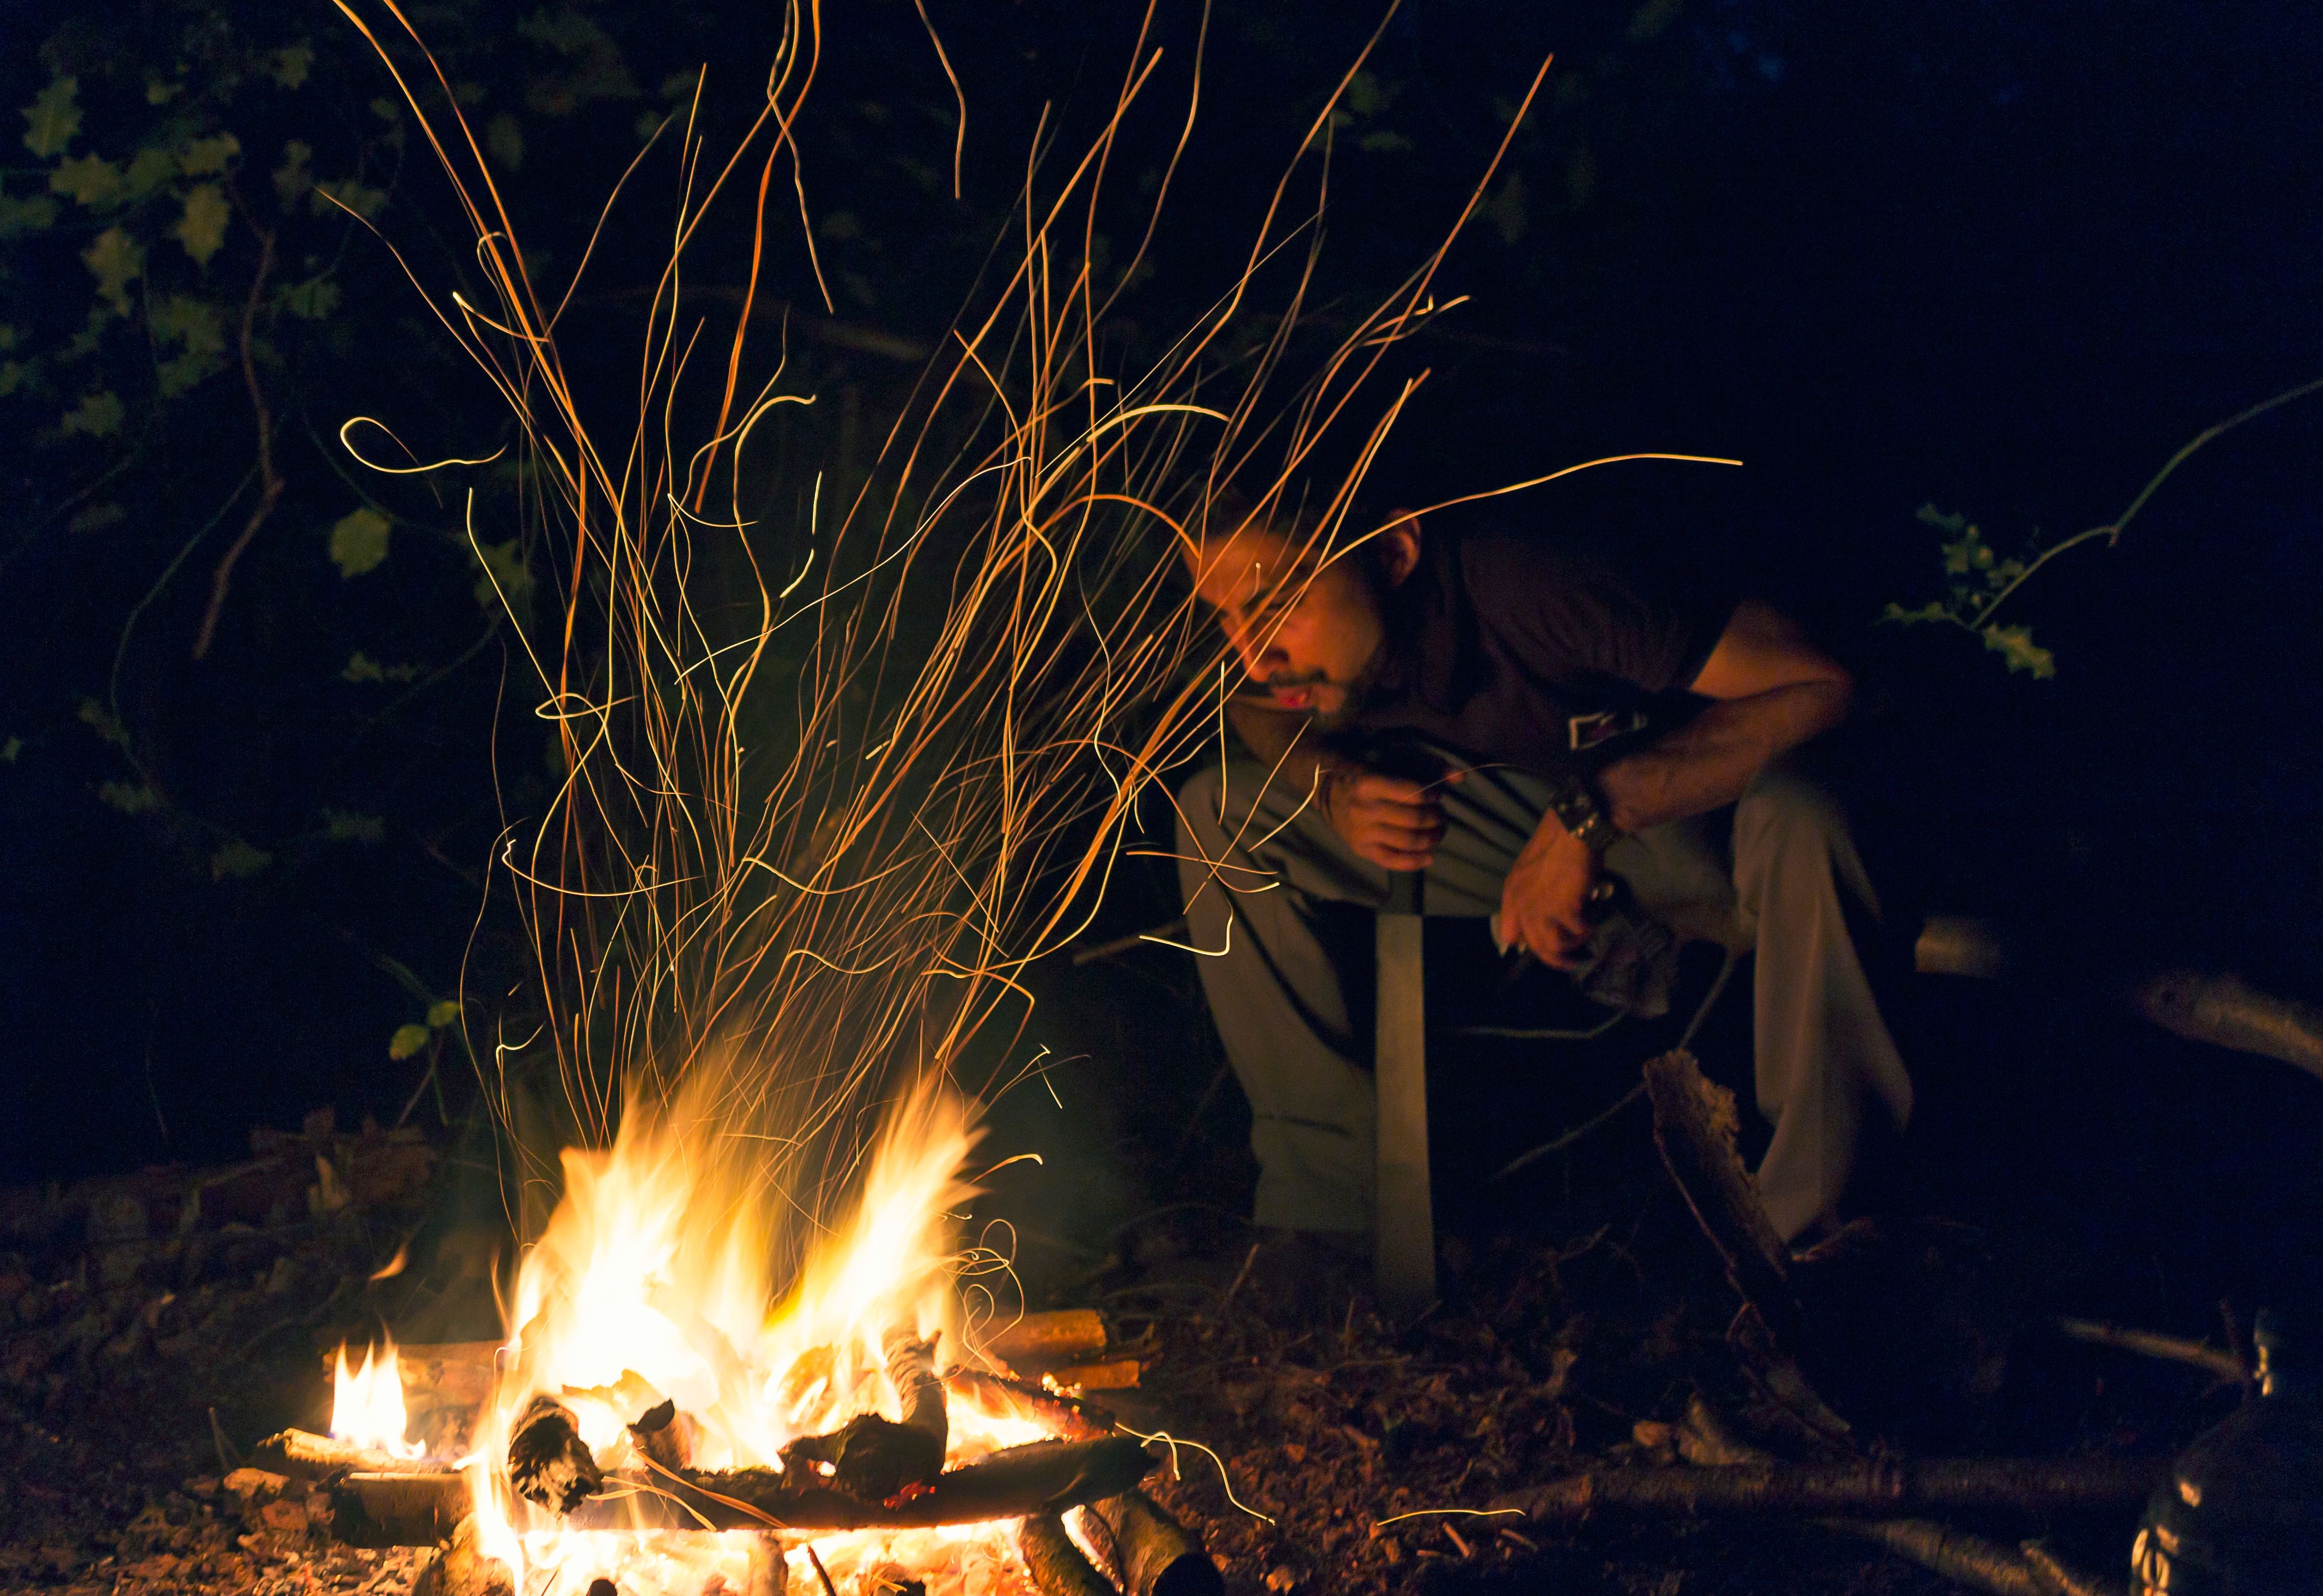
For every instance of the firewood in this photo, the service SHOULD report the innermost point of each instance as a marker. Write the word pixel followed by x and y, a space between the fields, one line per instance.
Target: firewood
pixel 912 1371
pixel 396 1509
pixel 1696 1124
pixel 1069 1417
pixel 549 1462
pixel 460 1569
pixel 1044 1341
pixel 1056 1564
pixel 663 1436
pixel 2229 1011
pixel 2173 1349
pixel 305 1455
pixel 1046 1476
pixel 1153 1553
pixel 1883 1487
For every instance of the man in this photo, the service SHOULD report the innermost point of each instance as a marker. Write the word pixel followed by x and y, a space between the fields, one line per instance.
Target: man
pixel 1592 731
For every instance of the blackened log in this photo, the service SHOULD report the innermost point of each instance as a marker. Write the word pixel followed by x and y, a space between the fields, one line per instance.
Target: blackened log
pixel 1056 1564
pixel 1046 1476
pixel 1884 1487
pixel 547 1461
pixel 1153 1554
pixel 305 1455
pixel 1696 1124
pixel 662 1437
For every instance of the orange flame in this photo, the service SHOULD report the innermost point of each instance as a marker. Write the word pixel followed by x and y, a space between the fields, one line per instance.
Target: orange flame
pixel 367 1404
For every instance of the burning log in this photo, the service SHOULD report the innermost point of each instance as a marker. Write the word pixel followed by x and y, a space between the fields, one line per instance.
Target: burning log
pixel 1056 1564
pixel 305 1455
pixel 662 1437
pixel 1045 1476
pixel 1069 1417
pixel 547 1461
pixel 1044 1340
pixel 1884 1487
pixel 874 1457
pixel 1153 1553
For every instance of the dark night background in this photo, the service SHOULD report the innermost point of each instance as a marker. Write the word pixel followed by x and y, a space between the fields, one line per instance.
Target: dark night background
pixel 1999 259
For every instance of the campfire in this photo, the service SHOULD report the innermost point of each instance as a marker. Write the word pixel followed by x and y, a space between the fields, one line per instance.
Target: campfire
pixel 668 1415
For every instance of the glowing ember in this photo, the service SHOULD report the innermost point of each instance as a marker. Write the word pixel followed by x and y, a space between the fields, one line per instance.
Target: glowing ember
pixel 658 1279
pixel 367 1404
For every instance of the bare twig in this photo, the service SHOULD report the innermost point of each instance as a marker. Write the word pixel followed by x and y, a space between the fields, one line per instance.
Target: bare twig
pixel 2150 1343
pixel 270 481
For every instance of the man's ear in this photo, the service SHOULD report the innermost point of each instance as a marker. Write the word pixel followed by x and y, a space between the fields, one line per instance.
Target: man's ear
pixel 1399 546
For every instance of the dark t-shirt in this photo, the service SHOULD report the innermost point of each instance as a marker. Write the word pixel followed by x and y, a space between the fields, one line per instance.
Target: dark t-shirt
pixel 1541 653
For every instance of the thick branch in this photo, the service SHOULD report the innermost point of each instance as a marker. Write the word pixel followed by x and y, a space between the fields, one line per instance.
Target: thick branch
pixel 1885 1487
pixel 1153 1553
pixel 1056 1564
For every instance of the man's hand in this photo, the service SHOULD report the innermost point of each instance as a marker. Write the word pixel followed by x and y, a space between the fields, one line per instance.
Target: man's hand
pixel 1393 822
pixel 1544 904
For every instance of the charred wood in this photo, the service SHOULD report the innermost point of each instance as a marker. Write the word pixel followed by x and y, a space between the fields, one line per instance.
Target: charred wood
pixel 663 1436
pixel 1056 1564
pixel 1153 1553
pixel 547 1461
pixel 1046 1476
pixel 1886 1486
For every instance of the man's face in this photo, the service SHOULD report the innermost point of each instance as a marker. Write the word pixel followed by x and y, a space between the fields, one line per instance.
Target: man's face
pixel 1309 636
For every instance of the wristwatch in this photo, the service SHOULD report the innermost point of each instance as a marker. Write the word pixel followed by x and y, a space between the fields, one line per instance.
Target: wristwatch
pixel 1575 805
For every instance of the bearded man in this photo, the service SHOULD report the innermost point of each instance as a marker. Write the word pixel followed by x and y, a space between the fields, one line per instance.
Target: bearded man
pixel 1590 731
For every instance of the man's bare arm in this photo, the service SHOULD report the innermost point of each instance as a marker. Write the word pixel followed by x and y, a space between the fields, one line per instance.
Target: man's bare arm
pixel 1774 690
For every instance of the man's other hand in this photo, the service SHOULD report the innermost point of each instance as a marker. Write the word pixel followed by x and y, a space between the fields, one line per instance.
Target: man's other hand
pixel 1391 821
pixel 1544 904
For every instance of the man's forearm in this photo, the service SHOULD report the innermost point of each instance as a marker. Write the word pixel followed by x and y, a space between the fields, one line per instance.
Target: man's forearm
pixel 1706 763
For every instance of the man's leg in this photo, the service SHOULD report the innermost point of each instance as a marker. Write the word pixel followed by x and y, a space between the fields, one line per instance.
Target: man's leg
pixel 1824 1055
pixel 1251 865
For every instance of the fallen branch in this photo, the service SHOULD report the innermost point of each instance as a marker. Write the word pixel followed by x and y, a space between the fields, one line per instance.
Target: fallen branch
pixel 1696 1124
pixel 2229 1011
pixel 2151 1344
pixel 549 1462
pixel 1000 1397
pixel 1056 1564
pixel 1883 1487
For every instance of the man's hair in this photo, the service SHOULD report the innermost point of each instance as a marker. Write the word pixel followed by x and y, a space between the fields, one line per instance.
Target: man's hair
pixel 1291 515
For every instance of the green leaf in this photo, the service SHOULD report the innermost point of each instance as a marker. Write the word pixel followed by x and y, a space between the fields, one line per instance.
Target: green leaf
pixel 1929 514
pixel 1648 20
pixel 96 518
pixel 150 169
pixel 115 259
pixel 503 565
pixel 289 64
pixel 1506 211
pixel 407 1041
pixel 19 218
pixel 1934 610
pixel 359 541
pixel 52 118
pixel 128 797
pixel 181 318
pixel 1382 142
pixel 364 201
pixel 2015 644
pixel 236 860
pixel 10 749
pixel 207 158
pixel 87 180
pixel 311 301
pixel 158 92
pixel 344 826
pixel 98 415
pixel 103 721
pixel 175 375
pixel 362 667
pixel 442 1011
pixel 292 179
pixel 202 229
pixel 12 376
pixel 1365 95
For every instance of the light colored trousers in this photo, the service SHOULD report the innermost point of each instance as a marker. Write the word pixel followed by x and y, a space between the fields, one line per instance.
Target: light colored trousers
pixel 1253 860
